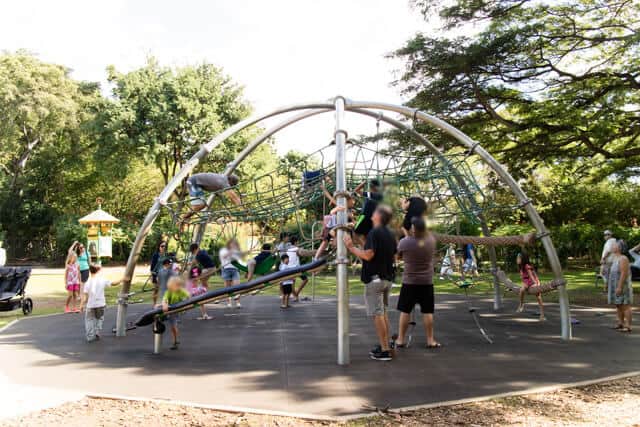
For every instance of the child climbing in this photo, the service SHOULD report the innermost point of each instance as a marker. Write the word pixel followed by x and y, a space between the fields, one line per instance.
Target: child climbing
pixel 195 287
pixel 72 282
pixel 95 303
pixel 412 207
pixel 175 293
pixel 330 222
pixel 371 199
pixel 529 279
pixel 198 183
pixel 286 286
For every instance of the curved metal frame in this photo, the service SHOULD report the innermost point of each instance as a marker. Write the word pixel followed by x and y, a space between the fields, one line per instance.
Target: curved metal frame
pixel 359 108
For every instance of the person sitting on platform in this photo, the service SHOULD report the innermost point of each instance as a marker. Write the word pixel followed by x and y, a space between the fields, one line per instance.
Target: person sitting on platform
pixel 264 254
pixel 198 183
pixel 529 279
pixel 286 286
pixel 175 294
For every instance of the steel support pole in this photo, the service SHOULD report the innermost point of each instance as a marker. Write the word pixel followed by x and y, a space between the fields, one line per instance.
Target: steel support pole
pixel 342 259
pixel 157 343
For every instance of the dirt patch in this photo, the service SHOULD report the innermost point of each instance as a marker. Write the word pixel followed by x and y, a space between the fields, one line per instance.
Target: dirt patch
pixel 611 403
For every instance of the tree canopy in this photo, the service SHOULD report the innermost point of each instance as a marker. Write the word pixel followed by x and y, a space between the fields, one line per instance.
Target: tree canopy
pixel 534 81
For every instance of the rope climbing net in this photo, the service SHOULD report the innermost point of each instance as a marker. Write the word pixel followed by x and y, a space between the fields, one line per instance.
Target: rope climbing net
pixel 294 193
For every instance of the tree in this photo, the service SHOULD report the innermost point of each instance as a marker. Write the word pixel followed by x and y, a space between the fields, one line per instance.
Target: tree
pixel 41 110
pixel 163 115
pixel 540 81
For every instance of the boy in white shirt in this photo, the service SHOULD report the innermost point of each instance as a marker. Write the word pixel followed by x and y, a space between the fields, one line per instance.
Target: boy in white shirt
pixel 94 301
pixel 294 252
pixel 286 286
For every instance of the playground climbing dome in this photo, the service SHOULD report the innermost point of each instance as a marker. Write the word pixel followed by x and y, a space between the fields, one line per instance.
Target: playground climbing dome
pixel 294 193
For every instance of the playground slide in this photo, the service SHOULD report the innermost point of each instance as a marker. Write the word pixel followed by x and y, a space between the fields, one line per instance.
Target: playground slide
pixel 277 276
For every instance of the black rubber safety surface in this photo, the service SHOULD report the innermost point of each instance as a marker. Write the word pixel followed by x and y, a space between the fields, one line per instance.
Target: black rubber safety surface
pixel 266 358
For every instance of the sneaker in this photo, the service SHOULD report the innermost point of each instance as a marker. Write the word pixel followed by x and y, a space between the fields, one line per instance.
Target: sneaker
pixel 67 309
pixel 174 346
pixel 376 349
pixel 228 305
pixel 238 305
pixel 520 308
pixel 384 356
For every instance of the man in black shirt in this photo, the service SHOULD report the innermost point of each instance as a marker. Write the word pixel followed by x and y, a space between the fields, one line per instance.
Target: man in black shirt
pixel 377 273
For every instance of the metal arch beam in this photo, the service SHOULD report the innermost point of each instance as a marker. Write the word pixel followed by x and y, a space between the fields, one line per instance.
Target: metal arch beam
pixel 507 179
pixel 164 196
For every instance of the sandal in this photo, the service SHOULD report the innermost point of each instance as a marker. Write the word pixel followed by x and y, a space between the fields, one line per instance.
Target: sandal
pixel 617 327
pixel 434 346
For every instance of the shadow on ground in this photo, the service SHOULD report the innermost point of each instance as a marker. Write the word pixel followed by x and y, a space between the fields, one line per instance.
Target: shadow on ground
pixel 266 358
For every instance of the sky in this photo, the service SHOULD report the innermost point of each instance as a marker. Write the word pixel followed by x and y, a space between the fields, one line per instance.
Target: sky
pixel 281 51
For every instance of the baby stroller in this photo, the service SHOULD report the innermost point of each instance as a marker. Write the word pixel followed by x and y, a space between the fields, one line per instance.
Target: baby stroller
pixel 13 282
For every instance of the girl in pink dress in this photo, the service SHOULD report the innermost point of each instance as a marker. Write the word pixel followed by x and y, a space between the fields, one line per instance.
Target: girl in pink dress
pixel 195 288
pixel 72 282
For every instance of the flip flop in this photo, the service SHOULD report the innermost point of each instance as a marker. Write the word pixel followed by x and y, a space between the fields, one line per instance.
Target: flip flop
pixel 434 346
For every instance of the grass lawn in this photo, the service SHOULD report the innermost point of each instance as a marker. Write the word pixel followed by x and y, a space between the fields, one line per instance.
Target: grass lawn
pixel 47 290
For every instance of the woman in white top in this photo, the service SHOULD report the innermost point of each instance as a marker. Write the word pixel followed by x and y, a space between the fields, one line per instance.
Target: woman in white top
pixel 230 274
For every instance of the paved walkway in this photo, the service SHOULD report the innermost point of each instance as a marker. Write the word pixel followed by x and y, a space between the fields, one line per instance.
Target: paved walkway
pixel 264 358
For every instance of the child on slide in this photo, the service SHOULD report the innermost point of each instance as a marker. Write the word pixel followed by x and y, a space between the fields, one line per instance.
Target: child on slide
pixel 175 293
pixel 72 282
pixel 529 279
pixel 195 287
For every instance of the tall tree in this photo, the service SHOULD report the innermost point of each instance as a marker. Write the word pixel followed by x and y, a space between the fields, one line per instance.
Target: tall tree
pixel 163 115
pixel 41 109
pixel 554 82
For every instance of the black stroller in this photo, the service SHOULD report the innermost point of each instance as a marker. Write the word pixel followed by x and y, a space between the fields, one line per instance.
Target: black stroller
pixel 13 282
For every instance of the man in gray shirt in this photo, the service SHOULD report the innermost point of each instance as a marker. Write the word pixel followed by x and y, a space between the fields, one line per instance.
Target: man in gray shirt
pixel 198 183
